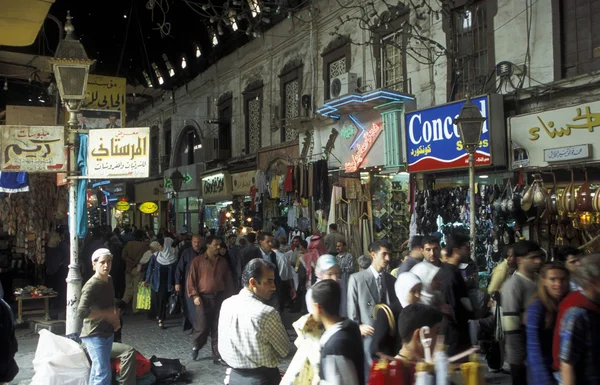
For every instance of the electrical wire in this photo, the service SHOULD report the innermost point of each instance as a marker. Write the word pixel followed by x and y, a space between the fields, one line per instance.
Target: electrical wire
pixel 125 39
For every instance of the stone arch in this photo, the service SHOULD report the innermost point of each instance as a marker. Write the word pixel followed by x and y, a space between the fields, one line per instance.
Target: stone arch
pixel 182 138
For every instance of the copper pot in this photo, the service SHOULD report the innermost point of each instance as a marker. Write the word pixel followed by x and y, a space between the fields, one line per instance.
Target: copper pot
pixel 584 196
pixel 596 201
pixel 540 194
pixel 567 198
pixel 552 199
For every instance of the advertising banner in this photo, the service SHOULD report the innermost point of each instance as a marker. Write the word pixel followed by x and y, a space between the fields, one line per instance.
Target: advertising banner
pixel 106 93
pixel 434 143
pixel 242 182
pixel 33 149
pixel 563 135
pixel 119 153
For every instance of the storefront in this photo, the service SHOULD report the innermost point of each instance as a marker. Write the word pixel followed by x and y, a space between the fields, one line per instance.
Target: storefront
pixel 243 189
pixel 217 202
pixel 436 154
pixel 183 208
pixel 149 198
pixel 559 153
pixel 364 154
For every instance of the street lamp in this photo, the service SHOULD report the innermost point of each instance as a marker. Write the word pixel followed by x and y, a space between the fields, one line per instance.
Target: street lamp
pixel 71 67
pixel 176 182
pixel 470 122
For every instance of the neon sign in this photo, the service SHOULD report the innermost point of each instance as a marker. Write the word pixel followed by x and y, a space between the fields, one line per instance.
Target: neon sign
pixel 369 137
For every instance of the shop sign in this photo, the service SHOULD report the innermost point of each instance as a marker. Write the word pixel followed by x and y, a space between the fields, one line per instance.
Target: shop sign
pixel 215 186
pixel 106 93
pixel 433 140
pixel 118 189
pixel 242 182
pixel 562 135
pixel 148 207
pixel 119 153
pixel 122 206
pixel 33 149
pixel 363 145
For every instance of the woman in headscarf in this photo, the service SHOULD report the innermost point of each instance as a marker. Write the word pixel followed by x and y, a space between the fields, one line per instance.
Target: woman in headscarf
pixel 304 368
pixel 385 338
pixel 160 274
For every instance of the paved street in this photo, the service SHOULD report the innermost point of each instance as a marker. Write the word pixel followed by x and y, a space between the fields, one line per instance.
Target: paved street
pixel 145 336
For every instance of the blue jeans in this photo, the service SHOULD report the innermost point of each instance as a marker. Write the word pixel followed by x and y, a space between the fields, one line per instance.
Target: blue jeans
pixel 99 351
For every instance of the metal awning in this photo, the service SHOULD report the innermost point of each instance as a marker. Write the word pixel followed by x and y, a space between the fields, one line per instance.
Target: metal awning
pixel 21 20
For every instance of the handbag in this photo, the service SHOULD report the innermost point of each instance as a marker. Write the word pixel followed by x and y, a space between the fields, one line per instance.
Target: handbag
pixel 174 304
pixel 144 297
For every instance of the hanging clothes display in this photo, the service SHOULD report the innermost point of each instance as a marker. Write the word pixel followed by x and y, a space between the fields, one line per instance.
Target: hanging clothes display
pixel 12 182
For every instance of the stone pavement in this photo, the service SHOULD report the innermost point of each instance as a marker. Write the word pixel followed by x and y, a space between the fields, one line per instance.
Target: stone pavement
pixel 145 336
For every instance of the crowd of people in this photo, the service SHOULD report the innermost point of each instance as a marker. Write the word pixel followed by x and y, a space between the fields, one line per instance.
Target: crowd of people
pixel 540 315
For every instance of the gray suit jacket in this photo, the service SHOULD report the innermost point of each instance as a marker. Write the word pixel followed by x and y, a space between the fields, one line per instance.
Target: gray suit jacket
pixel 363 295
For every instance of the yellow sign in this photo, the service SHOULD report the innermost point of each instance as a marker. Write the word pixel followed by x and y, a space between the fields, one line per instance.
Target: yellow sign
pixel 122 206
pixel 106 93
pixel 148 207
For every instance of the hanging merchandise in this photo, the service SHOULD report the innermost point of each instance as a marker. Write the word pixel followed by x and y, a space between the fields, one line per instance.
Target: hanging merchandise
pixel 13 182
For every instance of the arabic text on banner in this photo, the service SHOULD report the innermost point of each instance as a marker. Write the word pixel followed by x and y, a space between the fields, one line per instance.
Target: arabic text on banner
pixel 33 149
pixel 119 153
pixel 106 93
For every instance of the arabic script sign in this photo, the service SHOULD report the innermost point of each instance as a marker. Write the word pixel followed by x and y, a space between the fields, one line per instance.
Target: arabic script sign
pixel 119 153
pixel 363 147
pixel 33 149
pixel 242 182
pixel 557 135
pixel 433 140
pixel 106 93
pixel 563 154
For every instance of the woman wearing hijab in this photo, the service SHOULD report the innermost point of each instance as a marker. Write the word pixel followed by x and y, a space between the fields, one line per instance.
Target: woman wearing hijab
pixel 385 339
pixel 160 274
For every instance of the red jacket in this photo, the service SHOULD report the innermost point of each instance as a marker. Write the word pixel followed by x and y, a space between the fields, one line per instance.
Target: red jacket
pixel 574 299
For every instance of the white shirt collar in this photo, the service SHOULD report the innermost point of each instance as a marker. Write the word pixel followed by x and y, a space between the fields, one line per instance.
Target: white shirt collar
pixel 375 273
pixel 330 332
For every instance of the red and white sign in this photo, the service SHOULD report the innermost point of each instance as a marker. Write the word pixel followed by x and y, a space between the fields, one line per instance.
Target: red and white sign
pixel 363 148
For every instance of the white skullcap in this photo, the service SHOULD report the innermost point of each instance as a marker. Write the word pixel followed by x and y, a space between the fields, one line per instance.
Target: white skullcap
pixel 99 253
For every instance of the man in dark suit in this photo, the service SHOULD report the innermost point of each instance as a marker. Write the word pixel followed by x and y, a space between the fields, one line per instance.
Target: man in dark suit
pixel 264 251
pixel 379 287
pixel 112 121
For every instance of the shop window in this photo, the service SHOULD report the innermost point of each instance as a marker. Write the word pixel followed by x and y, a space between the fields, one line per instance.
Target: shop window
pixel 336 61
pixel 253 98
pixel 291 87
pixel 577 37
pixel 471 44
pixel 390 50
pixel 189 147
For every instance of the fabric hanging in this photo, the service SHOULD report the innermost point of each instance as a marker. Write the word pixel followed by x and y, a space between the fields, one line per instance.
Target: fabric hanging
pixel 335 195
pixel 82 215
pixel 288 184
pixel 13 182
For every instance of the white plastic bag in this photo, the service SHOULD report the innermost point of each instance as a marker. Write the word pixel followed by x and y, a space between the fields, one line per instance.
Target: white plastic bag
pixel 59 361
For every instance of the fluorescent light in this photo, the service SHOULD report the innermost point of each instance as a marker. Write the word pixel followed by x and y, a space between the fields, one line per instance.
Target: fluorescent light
pixel 483 176
pixel 183 63
pixel 198 52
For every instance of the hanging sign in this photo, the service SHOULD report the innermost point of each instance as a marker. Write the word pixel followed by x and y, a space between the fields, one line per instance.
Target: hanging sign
pixel 148 207
pixel 433 140
pixel 118 153
pixel 107 93
pixel 122 206
pixel 562 135
pixel 33 149
pixel 363 145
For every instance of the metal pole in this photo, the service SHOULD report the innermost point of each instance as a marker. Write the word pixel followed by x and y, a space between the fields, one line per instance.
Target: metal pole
pixel 472 204
pixel 74 278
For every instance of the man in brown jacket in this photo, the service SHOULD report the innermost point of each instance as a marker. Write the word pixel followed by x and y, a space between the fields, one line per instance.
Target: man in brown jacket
pixel 132 254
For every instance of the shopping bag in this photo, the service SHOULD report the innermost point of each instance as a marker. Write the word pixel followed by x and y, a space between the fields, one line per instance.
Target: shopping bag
pixel 59 361
pixel 144 297
pixel 167 369
pixel 174 304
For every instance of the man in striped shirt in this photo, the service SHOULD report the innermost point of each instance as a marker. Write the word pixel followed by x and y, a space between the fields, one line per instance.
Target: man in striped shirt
pixel 516 294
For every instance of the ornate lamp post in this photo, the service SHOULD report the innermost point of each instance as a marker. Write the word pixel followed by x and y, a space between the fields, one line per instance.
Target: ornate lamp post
pixel 176 181
pixel 470 122
pixel 71 67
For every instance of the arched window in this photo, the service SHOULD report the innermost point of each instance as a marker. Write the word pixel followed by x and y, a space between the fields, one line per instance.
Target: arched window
pixel 189 147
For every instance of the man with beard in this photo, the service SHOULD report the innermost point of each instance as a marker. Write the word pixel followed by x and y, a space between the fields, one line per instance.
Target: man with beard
pixel 181 273
pixel 455 293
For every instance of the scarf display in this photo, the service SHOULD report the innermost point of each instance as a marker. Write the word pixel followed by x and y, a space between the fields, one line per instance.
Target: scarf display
pixel 167 255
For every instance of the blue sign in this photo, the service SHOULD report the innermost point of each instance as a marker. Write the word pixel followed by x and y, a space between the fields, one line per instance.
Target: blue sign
pixel 103 183
pixel 433 141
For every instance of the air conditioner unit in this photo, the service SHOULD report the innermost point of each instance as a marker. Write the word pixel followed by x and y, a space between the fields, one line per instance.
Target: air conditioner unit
pixel 343 85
